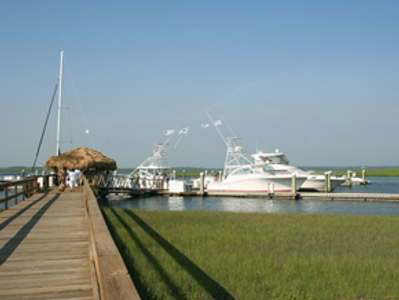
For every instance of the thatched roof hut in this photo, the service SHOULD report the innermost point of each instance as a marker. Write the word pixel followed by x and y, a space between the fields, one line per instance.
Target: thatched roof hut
pixel 81 158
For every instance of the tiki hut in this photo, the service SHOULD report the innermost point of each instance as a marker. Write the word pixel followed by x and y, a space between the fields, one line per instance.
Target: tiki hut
pixel 82 158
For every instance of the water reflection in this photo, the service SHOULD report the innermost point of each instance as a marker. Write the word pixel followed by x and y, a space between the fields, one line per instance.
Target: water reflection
pixel 232 204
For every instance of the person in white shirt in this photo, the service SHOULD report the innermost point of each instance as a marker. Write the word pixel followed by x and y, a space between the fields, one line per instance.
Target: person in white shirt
pixel 77 177
pixel 72 180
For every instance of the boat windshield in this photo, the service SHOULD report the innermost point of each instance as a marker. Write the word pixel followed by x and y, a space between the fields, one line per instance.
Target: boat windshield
pixel 270 158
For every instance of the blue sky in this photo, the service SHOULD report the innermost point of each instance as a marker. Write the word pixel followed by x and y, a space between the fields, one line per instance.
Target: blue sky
pixel 316 79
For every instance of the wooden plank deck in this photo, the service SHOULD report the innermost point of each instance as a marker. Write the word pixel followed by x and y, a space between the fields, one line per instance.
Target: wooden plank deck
pixel 45 248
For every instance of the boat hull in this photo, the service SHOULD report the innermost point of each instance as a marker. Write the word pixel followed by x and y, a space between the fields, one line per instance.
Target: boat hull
pixel 318 183
pixel 261 184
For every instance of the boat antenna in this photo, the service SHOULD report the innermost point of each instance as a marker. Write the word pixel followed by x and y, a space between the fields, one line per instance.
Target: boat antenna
pixel 58 151
pixel 218 130
pixel 44 128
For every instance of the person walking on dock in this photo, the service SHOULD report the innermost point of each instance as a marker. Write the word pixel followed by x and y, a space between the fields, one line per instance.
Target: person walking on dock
pixel 72 180
pixel 61 179
pixel 77 177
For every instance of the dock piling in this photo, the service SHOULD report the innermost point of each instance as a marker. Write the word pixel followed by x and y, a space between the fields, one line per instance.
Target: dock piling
pixel 201 183
pixel 350 177
pixel 293 186
pixel 327 182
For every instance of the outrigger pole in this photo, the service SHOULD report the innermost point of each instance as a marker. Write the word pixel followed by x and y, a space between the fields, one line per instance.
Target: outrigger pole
pixel 218 130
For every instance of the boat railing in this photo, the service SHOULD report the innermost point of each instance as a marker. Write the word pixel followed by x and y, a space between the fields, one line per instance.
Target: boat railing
pixel 128 182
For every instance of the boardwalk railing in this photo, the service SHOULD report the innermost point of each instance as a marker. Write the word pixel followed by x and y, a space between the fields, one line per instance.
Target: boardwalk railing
pixel 24 188
pixel 113 278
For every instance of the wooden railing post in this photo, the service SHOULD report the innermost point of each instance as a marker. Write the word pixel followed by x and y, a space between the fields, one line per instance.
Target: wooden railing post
pixel 15 193
pixel 6 193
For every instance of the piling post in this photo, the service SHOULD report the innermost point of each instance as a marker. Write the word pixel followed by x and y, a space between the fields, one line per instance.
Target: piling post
pixel 206 173
pixel 293 185
pixel 51 179
pixel 184 175
pixel 325 182
pixel 350 178
pixel 364 177
pixel 23 174
pixel 201 183
pixel 220 176
pixel 329 181
pixel 174 174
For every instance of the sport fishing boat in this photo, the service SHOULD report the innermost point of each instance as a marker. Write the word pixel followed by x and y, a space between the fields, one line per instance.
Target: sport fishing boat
pixel 278 162
pixel 153 166
pixel 241 174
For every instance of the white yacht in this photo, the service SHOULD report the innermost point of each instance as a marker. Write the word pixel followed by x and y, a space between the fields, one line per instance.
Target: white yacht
pixel 278 162
pixel 242 175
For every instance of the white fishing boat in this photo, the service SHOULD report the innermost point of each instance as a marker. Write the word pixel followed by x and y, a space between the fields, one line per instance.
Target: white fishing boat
pixel 278 162
pixel 155 168
pixel 241 174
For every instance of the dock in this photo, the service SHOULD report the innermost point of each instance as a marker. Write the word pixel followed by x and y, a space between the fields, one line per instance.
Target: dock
pixel 57 246
pixel 393 198
pixel 132 187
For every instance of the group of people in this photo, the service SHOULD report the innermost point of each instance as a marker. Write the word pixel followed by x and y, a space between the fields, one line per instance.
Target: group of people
pixel 104 177
pixel 70 178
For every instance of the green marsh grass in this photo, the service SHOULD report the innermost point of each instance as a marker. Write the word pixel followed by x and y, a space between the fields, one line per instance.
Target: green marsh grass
pixel 220 255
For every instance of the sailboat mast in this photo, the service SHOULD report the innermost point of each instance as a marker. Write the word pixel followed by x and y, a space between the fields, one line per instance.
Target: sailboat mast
pixel 58 151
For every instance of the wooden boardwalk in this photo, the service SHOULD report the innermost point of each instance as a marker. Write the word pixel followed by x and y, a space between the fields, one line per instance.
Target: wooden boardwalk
pixel 48 250
pixel 45 249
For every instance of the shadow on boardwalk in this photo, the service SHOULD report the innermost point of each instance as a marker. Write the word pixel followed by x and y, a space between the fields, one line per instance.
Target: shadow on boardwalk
pixel 14 242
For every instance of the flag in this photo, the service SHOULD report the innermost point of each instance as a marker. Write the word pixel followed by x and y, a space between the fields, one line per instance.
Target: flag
pixel 218 122
pixel 183 131
pixel 168 132
pixel 205 125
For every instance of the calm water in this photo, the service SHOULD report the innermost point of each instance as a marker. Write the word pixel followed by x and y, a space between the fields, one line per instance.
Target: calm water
pixel 232 204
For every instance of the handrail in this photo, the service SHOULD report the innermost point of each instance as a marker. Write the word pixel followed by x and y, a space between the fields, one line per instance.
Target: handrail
pixel 126 181
pixel 29 186
pixel 113 278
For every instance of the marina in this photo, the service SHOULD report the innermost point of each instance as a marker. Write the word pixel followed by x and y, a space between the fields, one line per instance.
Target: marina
pixel 381 197
pixel 192 150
